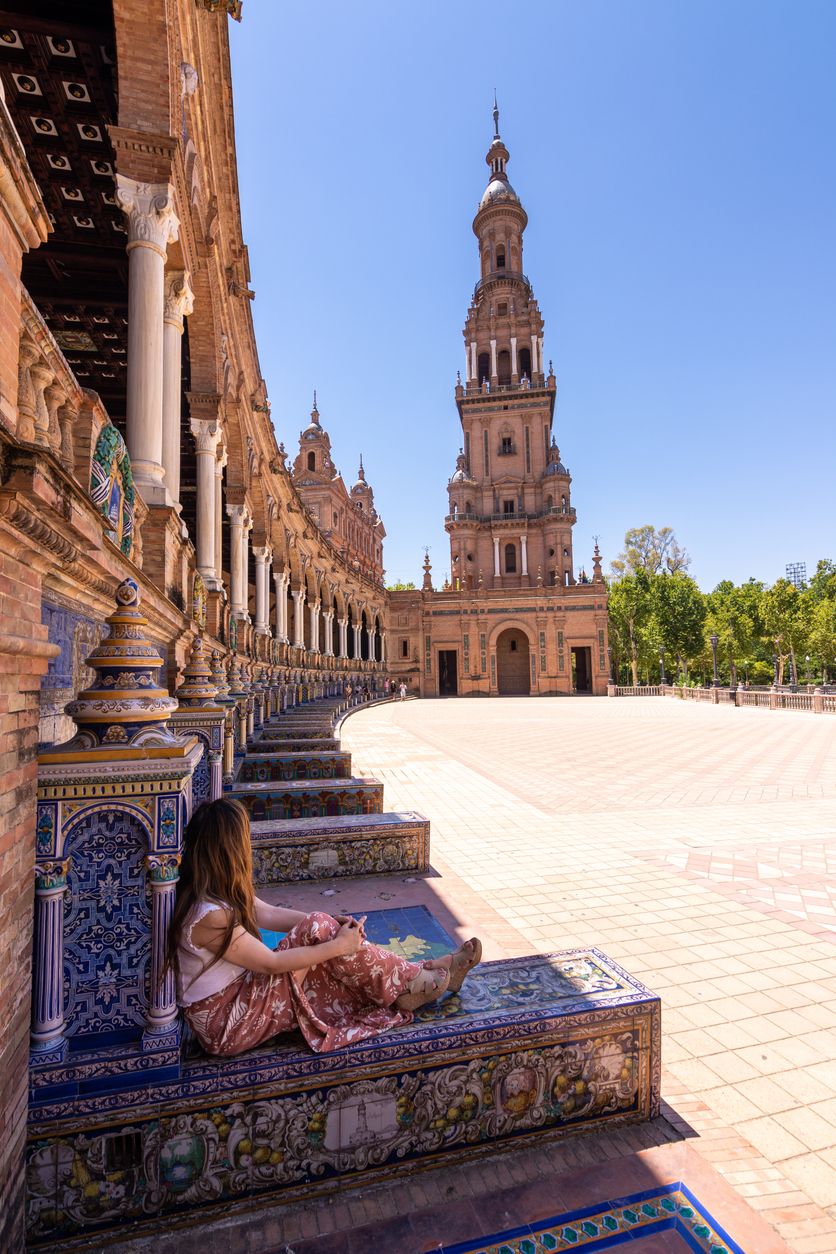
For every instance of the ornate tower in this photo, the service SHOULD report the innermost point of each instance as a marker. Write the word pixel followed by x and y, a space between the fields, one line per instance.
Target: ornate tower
pixel 510 513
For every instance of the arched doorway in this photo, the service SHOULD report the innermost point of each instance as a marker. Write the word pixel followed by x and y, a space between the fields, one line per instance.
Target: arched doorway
pixel 513 673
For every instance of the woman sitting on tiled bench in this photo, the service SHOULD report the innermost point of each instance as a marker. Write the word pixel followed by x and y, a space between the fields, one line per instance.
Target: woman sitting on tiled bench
pixel 325 978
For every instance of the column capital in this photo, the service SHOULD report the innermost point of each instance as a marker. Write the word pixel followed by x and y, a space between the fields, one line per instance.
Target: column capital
pixel 163 868
pixel 262 553
pixel 238 515
pixel 221 459
pixel 178 299
pixel 206 433
pixel 149 208
pixel 51 874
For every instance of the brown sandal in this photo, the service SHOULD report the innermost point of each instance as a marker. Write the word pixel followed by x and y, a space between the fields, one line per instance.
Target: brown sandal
pixel 466 963
pixel 428 985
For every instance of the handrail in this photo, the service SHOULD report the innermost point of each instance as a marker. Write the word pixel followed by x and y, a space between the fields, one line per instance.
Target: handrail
pixel 518 515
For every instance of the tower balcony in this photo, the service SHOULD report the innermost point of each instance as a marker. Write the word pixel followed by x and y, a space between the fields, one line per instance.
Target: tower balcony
pixel 566 513
pixel 496 276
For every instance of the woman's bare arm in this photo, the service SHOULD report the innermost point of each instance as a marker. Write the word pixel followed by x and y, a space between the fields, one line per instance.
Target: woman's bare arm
pixel 249 952
pixel 276 918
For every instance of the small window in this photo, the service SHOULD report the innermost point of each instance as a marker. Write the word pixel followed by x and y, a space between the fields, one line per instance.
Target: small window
pixel 311 461
pixel 513 646
pixel 502 309
pixel 335 520
pixel 404 648
pixel 500 259
pixel 509 507
pixel 507 445
pixel 510 559
pixel 484 369
pixel 525 362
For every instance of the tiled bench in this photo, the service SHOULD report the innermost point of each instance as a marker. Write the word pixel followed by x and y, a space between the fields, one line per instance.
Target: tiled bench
pixel 265 768
pixel 299 799
pixel 290 744
pixel 367 844
pixel 532 1047
pixel 295 731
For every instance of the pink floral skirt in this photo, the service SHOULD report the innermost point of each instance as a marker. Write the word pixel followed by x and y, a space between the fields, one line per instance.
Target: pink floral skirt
pixel 333 1004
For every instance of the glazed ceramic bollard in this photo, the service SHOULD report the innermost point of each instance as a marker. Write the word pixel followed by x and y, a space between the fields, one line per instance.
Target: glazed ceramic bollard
pixel 112 805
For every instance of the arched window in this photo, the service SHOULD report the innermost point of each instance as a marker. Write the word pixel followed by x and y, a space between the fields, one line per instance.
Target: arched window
pixel 484 371
pixel 525 362
pixel 510 560
pixel 468 507
pixel 311 461
pixel 500 258
pixel 549 502
pixel 455 511
pixel 504 366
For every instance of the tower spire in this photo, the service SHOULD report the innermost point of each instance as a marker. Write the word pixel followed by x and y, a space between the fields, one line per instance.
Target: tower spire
pixel 495 116
pixel 315 411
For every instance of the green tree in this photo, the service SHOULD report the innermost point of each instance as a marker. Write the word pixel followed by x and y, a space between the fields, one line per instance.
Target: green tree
pixel 822 635
pixel 784 624
pixel 651 551
pixel 679 610
pixel 733 615
pixel 400 587
pixel 630 613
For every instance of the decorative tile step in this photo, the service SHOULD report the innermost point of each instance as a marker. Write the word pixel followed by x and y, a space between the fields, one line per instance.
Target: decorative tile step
pixel 532 1046
pixel 308 798
pixel 266 768
pixel 291 731
pixel 260 748
pixel 366 844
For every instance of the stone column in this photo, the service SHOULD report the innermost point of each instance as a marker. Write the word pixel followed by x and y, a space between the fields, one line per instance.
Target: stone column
pixel 237 519
pixel 163 872
pixel 496 556
pixel 493 360
pixel 524 553
pixel 342 623
pixel 534 366
pixel 206 434
pixel 220 462
pixel 178 303
pixel 314 625
pixel 329 632
pixel 513 356
pixel 383 646
pixel 263 556
pixel 298 595
pixel 48 973
pixel 280 578
pixel 152 226
pixel 357 631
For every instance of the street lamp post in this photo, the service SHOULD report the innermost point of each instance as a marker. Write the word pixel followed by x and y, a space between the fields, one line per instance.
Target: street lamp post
pixel 611 680
pixel 662 678
pixel 807 669
pixel 713 639
pixel 775 670
pixel 793 683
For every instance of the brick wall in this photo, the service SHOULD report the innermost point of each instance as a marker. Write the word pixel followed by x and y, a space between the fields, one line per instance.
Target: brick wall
pixel 24 657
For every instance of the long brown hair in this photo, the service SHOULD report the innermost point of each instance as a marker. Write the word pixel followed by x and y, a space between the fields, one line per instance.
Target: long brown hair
pixel 217 866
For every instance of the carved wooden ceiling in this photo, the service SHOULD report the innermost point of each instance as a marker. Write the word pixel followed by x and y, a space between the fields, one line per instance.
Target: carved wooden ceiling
pixel 57 64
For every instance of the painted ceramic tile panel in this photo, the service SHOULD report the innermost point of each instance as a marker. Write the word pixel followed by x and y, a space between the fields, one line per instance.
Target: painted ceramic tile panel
pixel 672 1209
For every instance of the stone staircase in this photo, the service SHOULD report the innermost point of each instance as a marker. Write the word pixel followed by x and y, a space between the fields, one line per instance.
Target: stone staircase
pixel 309 823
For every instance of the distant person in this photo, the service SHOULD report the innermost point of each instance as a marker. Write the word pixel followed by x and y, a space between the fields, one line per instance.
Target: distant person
pixel 402 691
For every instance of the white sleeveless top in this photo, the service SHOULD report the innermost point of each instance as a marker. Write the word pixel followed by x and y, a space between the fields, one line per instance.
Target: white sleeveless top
pixel 194 982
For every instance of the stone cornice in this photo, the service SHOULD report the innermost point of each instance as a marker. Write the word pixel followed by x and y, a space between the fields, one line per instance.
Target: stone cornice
pixel 20 195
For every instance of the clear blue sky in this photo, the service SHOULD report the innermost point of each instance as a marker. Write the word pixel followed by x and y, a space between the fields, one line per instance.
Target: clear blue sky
pixel 677 163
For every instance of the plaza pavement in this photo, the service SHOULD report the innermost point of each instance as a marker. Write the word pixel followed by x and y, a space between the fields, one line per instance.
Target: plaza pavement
pixel 696 845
